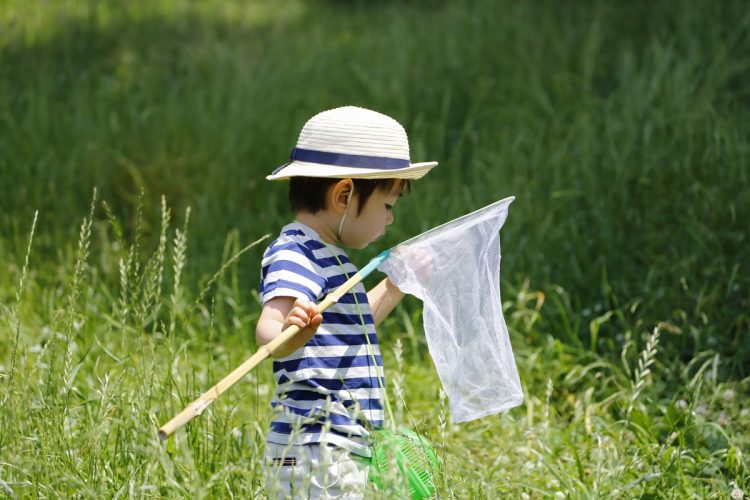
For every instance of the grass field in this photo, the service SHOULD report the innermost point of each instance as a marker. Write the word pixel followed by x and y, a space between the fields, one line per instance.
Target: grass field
pixel 134 138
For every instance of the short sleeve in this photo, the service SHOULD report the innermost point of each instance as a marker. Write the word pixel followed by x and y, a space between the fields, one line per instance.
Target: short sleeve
pixel 288 270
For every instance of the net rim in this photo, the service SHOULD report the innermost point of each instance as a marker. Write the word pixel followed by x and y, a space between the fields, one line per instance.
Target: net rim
pixel 458 220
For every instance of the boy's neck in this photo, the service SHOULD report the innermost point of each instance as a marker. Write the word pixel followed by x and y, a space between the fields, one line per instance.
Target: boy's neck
pixel 321 223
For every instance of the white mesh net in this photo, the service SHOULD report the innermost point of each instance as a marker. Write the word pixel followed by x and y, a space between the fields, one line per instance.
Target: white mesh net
pixel 455 270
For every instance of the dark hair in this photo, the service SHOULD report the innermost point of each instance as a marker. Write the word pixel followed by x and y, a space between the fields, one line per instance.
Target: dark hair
pixel 308 194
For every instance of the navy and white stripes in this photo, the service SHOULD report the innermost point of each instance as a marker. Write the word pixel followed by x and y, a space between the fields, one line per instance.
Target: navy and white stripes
pixel 327 390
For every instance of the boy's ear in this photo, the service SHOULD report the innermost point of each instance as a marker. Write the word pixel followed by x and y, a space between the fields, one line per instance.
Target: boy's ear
pixel 341 194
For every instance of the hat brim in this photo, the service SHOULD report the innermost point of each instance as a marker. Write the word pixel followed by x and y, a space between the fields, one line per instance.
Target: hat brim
pixel 304 169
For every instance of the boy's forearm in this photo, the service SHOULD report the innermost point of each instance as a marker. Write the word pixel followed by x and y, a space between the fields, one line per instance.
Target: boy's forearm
pixel 383 297
pixel 269 329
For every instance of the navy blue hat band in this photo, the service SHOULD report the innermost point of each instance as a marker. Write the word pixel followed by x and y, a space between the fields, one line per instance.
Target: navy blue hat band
pixel 346 160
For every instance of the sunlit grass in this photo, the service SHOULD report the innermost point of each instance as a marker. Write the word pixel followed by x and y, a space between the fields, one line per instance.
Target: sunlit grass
pixel 91 385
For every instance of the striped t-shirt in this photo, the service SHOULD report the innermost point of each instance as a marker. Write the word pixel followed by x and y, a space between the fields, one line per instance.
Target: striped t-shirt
pixel 328 390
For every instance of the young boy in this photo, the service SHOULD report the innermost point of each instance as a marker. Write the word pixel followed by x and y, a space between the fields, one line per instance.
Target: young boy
pixel 348 170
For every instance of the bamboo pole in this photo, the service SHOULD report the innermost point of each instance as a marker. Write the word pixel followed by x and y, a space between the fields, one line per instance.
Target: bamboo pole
pixel 197 407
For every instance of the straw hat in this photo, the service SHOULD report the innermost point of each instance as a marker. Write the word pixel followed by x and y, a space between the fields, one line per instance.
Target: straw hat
pixel 352 142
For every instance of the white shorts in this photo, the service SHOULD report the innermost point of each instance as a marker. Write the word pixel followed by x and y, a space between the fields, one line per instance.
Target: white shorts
pixel 313 471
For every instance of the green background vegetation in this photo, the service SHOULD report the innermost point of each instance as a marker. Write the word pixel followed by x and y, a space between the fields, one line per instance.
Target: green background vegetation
pixel 621 128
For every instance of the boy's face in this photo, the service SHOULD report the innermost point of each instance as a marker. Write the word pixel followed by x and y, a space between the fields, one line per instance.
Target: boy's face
pixel 370 223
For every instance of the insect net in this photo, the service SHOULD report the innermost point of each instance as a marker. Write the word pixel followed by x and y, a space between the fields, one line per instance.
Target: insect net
pixel 455 270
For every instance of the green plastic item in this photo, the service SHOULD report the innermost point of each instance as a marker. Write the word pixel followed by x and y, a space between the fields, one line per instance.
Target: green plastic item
pixel 412 455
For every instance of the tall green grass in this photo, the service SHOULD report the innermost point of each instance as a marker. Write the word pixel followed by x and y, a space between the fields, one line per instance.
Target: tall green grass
pixel 119 342
pixel 620 128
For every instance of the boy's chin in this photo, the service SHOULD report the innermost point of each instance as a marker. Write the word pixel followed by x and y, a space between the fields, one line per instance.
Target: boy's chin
pixel 363 245
pixel 374 240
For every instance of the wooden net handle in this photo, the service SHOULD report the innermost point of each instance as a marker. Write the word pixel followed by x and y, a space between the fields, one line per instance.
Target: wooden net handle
pixel 197 407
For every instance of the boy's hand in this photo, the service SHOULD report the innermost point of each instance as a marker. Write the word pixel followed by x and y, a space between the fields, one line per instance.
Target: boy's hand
pixel 279 314
pixel 414 261
pixel 422 262
pixel 305 315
